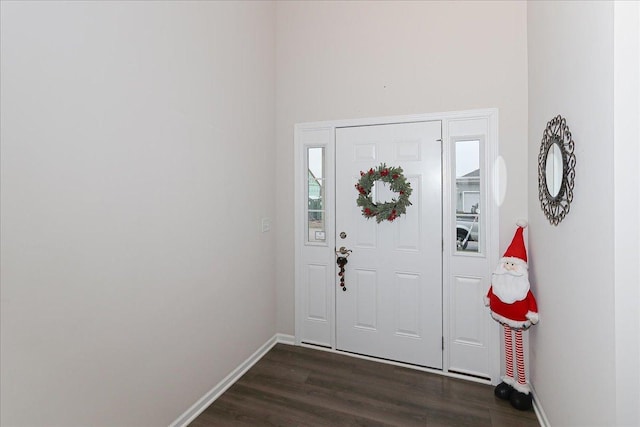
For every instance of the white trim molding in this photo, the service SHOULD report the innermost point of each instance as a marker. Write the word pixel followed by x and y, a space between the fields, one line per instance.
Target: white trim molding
pixel 537 408
pixel 205 401
pixel 285 339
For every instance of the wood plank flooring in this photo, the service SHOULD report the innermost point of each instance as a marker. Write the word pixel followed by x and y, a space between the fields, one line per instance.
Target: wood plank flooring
pixel 297 386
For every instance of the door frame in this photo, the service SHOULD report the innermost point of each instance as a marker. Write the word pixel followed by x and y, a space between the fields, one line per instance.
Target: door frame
pixel 318 331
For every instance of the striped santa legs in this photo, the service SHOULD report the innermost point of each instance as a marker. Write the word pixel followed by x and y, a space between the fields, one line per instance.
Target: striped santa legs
pixel 521 384
pixel 508 354
pixel 522 380
pixel 520 397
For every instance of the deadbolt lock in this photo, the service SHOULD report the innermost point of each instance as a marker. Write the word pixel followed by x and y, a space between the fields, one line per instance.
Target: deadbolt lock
pixel 343 235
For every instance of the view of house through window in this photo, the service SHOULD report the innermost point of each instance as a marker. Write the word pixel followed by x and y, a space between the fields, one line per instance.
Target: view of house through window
pixel 467 170
pixel 315 195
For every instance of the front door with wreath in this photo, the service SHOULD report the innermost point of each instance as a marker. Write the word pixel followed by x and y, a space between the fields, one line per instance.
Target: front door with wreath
pixel 392 223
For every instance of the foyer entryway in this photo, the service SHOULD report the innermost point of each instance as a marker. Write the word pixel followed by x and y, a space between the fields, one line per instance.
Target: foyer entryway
pixel 414 284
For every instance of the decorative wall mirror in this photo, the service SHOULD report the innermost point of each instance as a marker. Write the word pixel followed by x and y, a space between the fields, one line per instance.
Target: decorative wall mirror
pixel 556 170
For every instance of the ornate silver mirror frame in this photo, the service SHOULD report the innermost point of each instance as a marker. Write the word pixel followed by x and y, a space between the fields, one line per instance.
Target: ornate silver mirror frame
pixel 556 170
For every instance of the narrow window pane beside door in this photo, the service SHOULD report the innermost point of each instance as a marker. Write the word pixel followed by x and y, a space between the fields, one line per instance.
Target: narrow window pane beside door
pixel 467 196
pixel 315 195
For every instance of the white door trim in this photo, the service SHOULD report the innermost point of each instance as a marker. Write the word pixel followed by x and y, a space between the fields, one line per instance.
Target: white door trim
pixel 319 330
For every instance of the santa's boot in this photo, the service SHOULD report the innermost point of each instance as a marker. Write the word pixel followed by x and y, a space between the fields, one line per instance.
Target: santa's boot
pixel 521 396
pixel 503 391
pixel 520 400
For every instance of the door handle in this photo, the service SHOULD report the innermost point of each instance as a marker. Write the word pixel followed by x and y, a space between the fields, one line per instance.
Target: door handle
pixel 343 251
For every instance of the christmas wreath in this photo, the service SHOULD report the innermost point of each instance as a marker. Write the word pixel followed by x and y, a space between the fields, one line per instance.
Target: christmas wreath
pixel 397 183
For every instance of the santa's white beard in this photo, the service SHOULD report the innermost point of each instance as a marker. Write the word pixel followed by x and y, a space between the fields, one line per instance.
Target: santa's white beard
pixel 510 286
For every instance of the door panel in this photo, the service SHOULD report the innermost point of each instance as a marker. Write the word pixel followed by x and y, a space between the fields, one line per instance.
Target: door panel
pixel 316 290
pixel 392 307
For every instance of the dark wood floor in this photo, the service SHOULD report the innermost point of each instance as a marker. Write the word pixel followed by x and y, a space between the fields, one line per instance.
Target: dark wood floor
pixel 296 386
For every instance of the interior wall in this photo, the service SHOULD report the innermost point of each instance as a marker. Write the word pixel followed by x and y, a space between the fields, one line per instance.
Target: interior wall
pixel 344 60
pixel 137 162
pixel 638 188
pixel 627 233
pixel 570 47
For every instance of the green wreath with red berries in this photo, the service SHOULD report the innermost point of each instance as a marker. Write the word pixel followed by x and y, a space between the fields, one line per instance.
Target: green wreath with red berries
pixel 388 211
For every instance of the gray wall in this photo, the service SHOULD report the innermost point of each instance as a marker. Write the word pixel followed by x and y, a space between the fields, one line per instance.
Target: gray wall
pixel 137 162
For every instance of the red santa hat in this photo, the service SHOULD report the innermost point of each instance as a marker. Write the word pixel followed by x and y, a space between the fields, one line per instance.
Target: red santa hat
pixel 516 252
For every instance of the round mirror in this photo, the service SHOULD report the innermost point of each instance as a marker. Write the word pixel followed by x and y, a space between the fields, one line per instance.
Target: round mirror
pixel 556 170
pixel 554 166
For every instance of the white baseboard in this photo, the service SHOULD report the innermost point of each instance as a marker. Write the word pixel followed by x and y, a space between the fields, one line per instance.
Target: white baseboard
pixel 537 408
pixel 285 339
pixel 206 400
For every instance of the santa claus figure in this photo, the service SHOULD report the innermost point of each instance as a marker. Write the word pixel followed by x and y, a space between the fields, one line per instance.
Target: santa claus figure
pixel 512 305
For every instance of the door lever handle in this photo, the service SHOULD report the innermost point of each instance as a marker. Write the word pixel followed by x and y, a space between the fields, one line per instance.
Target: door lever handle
pixel 343 251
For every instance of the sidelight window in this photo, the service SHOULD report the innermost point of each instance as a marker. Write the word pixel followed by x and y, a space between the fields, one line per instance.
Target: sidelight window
pixel 316 203
pixel 468 197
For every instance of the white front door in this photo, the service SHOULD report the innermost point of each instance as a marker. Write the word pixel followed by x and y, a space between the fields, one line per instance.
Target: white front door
pixel 392 306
